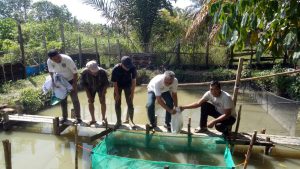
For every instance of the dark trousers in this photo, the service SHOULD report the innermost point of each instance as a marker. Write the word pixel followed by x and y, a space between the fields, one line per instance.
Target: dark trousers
pixel 130 110
pixel 151 107
pixel 208 109
pixel 75 101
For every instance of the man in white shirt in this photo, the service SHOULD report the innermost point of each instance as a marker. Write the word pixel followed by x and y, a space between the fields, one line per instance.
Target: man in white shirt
pixel 162 88
pixel 65 66
pixel 218 104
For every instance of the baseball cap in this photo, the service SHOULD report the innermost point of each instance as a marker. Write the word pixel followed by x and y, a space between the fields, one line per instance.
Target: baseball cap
pixel 92 66
pixel 126 61
pixel 52 52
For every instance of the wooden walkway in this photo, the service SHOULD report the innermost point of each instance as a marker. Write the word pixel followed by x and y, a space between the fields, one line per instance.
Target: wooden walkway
pixel 241 138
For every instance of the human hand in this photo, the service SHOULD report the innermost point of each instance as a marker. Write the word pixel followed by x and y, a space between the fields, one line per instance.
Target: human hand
pixel 173 111
pixel 181 108
pixel 211 124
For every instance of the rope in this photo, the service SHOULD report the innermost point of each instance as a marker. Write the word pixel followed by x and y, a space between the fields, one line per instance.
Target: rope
pixel 86 149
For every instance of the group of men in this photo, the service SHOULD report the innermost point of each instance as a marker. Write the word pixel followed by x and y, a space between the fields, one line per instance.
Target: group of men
pixel 163 88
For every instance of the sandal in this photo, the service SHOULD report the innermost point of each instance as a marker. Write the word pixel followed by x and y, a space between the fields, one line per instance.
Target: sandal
pixel 92 122
pixel 201 130
pixel 103 122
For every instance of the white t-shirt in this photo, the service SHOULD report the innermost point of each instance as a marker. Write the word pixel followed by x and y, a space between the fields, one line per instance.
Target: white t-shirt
pixel 224 101
pixel 158 86
pixel 65 68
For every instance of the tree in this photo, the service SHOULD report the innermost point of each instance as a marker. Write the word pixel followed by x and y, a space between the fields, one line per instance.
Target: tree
pixel 17 9
pixel 44 10
pixel 269 25
pixel 139 14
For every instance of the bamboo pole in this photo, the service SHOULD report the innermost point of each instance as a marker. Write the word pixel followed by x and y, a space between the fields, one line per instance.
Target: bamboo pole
pixel 249 150
pixel 242 80
pixel 237 81
pixel 76 149
pixel 189 126
pixel 7 153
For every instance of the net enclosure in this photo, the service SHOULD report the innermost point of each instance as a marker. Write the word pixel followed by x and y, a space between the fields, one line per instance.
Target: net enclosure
pixel 132 150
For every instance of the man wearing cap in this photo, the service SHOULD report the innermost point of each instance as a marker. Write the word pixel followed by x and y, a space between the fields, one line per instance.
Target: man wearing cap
pixel 124 78
pixel 65 66
pixel 95 80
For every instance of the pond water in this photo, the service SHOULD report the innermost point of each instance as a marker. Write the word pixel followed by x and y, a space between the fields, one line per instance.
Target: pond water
pixel 30 149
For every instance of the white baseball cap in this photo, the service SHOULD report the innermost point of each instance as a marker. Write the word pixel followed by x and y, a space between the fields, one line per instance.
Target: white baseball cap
pixel 92 66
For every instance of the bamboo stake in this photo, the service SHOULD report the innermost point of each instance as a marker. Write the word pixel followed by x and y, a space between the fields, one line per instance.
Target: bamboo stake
pixel 237 81
pixel 249 150
pixel 189 126
pixel 242 80
pixel 76 149
pixel 7 153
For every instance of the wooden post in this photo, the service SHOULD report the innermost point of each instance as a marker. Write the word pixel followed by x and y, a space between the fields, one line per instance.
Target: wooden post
pixel 268 149
pixel 76 149
pixel 263 131
pixel 189 126
pixel 147 129
pixel 45 47
pixel 156 120
pixel 21 42
pixel 238 119
pixel 62 36
pixel 3 72
pixel 250 150
pixel 237 81
pixel 7 153
pixel 119 49
pixel 166 167
pixel 80 52
pixel 56 126
pixel 97 53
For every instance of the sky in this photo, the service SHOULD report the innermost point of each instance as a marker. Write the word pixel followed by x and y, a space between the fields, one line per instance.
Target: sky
pixel 87 13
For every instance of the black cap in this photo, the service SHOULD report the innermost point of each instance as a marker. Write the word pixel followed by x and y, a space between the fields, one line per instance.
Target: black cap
pixel 52 52
pixel 126 61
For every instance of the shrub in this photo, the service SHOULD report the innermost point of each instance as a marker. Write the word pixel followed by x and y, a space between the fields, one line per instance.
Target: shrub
pixel 31 100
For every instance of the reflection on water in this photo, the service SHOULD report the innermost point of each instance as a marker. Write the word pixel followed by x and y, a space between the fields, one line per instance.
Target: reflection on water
pixel 36 151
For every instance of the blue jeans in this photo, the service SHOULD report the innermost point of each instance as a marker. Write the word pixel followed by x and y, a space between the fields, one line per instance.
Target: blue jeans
pixel 151 107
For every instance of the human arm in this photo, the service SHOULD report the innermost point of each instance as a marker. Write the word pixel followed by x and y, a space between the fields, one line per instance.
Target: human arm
pixel 133 84
pixel 175 99
pixel 116 91
pixel 163 104
pixel 193 105
pixel 227 113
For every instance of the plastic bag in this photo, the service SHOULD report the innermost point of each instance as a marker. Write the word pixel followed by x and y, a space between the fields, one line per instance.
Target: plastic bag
pixel 176 121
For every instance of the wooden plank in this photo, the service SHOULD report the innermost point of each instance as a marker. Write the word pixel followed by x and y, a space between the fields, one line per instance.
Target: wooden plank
pixel 26 118
pixel 101 134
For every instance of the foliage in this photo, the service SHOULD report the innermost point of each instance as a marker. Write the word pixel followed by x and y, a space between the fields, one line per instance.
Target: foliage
pixel 45 10
pixel 272 26
pixel 31 100
pixel 294 89
pixel 17 9
pixel 140 15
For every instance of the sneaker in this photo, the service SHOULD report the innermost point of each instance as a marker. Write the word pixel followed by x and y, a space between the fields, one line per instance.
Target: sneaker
pixel 77 121
pixel 201 130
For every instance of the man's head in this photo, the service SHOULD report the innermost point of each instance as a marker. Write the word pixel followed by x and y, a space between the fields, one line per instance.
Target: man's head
pixel 92 66
pixel 126 62
pixel 215 88
pixel 169 78
pixel 54 55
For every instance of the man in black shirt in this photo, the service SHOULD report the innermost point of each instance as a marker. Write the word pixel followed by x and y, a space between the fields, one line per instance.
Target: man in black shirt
pixel 94 80
pixel 124 78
